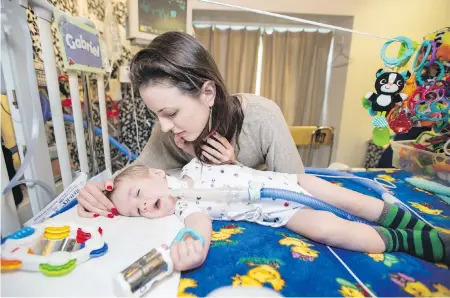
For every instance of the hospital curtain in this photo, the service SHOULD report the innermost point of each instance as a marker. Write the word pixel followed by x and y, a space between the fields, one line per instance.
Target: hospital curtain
pixel 235 51
pixel 294 68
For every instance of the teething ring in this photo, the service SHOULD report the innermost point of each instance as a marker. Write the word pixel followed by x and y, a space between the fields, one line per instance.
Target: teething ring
pixel 422 66
pixel 394 62
pixel 186 231
pixel 428 45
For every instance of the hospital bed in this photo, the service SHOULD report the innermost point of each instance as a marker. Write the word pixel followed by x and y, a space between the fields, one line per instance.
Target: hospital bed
pixel 246 254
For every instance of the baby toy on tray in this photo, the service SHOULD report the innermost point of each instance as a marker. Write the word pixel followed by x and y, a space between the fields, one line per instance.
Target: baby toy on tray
pixel 53 249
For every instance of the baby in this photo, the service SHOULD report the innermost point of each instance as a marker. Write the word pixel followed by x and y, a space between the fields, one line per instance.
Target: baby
pixel 139 191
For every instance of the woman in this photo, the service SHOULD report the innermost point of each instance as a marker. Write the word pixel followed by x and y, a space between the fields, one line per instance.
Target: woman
pixel 180 83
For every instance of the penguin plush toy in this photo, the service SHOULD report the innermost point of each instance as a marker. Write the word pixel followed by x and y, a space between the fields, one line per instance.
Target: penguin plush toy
pixel 388 86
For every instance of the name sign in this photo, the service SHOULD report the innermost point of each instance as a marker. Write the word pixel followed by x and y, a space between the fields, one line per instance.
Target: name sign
pixel 80 44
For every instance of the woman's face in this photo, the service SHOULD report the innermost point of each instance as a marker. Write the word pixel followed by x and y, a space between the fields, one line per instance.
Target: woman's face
pixel 177 112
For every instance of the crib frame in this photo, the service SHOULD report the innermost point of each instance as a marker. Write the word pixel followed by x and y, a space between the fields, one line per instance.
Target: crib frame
pixel 21 88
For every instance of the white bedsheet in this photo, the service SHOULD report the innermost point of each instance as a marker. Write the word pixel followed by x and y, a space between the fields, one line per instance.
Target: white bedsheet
pixel 127 238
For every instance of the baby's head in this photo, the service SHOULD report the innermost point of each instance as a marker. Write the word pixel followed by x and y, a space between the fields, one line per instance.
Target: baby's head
pixel 140 191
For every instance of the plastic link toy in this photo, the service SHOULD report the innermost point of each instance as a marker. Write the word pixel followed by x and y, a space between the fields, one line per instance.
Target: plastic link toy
pixel 402 100
pixel 52 249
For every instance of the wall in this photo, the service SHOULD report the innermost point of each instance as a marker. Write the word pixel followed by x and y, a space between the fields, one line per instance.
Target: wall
pixel 355 125
pixel 389 18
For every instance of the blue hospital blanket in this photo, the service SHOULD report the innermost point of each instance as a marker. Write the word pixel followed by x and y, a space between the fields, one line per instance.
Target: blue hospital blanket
pixel 250 254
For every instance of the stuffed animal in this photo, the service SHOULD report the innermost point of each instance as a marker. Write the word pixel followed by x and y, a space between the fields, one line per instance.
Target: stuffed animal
pixel 388 86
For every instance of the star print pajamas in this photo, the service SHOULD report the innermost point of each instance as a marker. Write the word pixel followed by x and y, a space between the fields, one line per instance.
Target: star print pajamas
pixel 274 213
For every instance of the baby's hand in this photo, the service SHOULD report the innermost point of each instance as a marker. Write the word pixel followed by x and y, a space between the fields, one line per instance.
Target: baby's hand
pixel 186 255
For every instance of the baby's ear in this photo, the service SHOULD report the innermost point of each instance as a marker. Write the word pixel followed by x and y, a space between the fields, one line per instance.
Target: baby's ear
pixel 157 172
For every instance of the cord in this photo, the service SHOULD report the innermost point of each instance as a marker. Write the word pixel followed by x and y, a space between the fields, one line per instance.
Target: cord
pixel 6 110
pixel 388 185
pixel 45 186
pixel 416 214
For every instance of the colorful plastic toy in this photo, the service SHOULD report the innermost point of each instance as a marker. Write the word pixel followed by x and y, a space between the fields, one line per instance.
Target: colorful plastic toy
pixel 420 99
pixel 442 39
pixel 53 249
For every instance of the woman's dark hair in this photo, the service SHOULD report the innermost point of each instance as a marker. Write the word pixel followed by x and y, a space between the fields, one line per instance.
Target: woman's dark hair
pixel 178 59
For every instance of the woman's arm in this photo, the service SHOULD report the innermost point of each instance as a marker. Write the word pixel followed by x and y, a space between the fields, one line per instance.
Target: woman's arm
pixel 281 154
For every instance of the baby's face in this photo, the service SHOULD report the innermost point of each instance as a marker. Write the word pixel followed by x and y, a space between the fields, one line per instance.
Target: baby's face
pixel 146 196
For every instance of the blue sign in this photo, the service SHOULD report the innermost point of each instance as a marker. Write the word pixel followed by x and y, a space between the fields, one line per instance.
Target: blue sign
pixel 80 45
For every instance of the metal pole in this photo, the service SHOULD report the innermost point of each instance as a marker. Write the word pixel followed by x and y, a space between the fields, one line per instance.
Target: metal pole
pixel 104 121
pixel 89 124
pixel 78 121
pixel 17 49
pixel 44 22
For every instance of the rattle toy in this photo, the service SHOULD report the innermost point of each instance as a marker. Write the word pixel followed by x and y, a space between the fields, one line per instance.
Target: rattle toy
pixel 137 279
pixel 53 249
pixel 399 120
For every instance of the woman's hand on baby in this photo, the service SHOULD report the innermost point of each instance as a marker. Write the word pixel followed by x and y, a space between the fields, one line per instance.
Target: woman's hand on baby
pixel 184 145
pixel 93 203
pixel 219 151
pixel 187 254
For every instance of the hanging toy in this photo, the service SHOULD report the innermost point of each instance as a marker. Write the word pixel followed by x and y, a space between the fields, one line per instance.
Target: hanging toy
pixel 442 39
pixel 432 105
pixel 388 86
pixel 399 120
pixel 407 49
pixel 428 64
pixel 380 132
pixel 410 86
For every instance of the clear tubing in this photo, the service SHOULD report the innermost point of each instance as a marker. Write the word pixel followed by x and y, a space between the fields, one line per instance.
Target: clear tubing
pixel 47 188
pixel 371 185
pixel 33 138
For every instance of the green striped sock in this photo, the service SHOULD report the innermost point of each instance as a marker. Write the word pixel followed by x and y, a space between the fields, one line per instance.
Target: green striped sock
pixel 428 245
pixel 396 218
